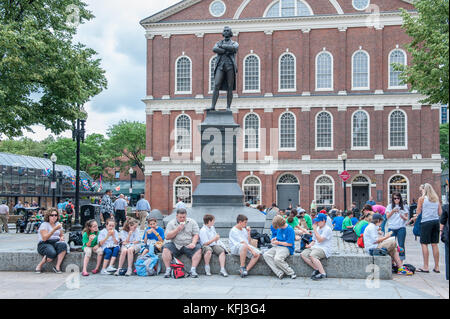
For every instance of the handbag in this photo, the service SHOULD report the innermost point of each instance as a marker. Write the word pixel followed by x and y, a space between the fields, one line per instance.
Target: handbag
pixel 350 236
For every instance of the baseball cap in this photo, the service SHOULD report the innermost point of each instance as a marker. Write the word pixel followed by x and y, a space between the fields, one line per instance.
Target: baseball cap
pixel 320 217
pixel 323 211
pixel 376 217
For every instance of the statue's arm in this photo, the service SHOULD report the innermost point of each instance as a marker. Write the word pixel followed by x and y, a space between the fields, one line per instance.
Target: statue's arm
pixel 218 49
pixel 233 48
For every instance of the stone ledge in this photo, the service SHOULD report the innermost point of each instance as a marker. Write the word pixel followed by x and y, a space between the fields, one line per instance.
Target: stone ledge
pixel 342 266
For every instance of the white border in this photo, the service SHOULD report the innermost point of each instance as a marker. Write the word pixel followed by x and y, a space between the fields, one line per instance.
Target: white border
pixel 399 87
pixel 295 73
pixel 278 183
pixel 176 75
pixel 332 133
pixel 173 191
pixel 360 9
pixel 361 88
pixel 287 149
pixel 280 9
pixel 176 134
pixel 259 74
pixel 397 148
pixel 210 6
pixel 332 72
pixel 361 148
pixel 211 89
pixel 407 185
pixel 333 187
pixel 260 186
pixel 259 133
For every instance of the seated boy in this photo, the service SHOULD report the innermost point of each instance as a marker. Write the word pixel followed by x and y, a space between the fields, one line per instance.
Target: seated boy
pixel 239 239
pixel 153 235
pixel 209 239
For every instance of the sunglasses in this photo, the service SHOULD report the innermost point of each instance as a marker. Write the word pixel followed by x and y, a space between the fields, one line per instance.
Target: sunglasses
pixel 53 215
pixel 396 198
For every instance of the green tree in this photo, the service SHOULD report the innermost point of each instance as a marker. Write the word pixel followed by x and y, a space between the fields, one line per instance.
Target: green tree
pixel 127 140
pixel 428 72
pixel 444 145
pixel 44 76
pixel 25 146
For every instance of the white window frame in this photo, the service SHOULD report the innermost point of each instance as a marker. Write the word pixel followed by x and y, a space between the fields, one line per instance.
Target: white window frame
pixel 361 88
pixel 361 148
pixel 294 89
pixel 287 149
pixel 332 72
pixel 176 135
pixel 360 9
pixel 278 183
pixel 174 193
pixel 398 87
pixel 398 148
pixel 176 75
pixel 259 134
pixel 389 183
pixel 333 189
pixel 259 74
pixel 211 12
pixel 211 89
pixel 260 185
pixel 332 133
pixel 280 9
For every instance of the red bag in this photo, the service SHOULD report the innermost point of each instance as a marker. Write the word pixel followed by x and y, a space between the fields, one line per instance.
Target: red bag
pixel 177 269
pixel 361 241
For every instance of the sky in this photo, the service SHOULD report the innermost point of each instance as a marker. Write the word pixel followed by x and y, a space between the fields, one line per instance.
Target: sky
pixel 119 39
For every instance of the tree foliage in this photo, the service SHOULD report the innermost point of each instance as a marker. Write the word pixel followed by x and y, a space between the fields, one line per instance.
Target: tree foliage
pixel 444 140
pixel 44 76
pixel 26 146
pixel 428 72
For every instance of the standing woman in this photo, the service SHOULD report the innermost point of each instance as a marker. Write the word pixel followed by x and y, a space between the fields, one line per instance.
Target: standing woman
pixel 430 208
pixel 51 241
pixel 397 214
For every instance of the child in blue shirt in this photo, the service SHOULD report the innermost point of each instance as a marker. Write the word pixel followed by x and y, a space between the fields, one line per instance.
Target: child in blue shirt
pixel 153 235
pixel 337 221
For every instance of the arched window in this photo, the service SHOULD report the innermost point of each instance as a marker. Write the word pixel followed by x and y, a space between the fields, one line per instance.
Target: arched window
pixel 287 179
pixel 252 190
pixel 251 74
pixel 324 191
pixel 324 71
pixel 183 72
pixel 183 190
pixel 288 8
pixel 324 131
pixel 397 130
pixel 212 66
pixel 361 180
pixel 183 133
pixel 360 70
pixel 400 184
pixel 287 131
pixel 251 132
pixel 287 73
pixel 360 130
pixel 396 56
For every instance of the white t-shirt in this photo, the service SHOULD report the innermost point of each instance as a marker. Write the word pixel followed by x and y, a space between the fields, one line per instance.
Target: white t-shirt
pixel 206 234
pixel 395 221
pixel 329 222
pixel 327 244
pixel 46 226
pixel 109 243
pixel 135 236
pixel 180 205
pixel 370 236
pixel 236 237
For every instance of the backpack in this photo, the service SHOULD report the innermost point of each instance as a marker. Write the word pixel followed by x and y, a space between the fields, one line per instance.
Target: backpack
pixel 145 265
pixel 416 228
pixel 349 235
pixel 177 269
pixel 410 268
pixel 361 241
pixel 69 209
pixel 305 240
pixel 264 241
pixel 141 269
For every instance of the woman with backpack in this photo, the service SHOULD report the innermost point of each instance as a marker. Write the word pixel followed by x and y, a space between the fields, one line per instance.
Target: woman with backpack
pixel 429 208
pixel 397 214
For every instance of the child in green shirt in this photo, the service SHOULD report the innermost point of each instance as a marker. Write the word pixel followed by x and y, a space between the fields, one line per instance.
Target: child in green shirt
pixel 90 244
pixel 347 223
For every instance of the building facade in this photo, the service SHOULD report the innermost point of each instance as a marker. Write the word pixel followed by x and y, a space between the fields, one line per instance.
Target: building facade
pixel 315 79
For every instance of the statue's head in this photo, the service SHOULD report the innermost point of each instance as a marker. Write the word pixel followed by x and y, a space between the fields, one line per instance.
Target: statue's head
pixel 227 33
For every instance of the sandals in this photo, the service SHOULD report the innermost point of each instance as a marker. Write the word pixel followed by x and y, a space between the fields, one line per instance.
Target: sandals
pixel 424 271
pixel 436 271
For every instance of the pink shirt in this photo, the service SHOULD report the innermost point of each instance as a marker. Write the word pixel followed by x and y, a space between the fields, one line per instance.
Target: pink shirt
pixel 379 209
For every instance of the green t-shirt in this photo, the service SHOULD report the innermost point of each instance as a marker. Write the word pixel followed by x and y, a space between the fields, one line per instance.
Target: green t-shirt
pixel 347 222
pixel 359 226
pixel 86 239
pixel 294 223
pixel 308 221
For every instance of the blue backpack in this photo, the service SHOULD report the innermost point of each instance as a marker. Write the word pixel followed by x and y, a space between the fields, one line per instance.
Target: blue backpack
pixel 416 228
pixel 145 266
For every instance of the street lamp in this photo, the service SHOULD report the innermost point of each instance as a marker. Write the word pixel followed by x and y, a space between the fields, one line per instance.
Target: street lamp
pixel 131 171
pixel 344 158
pixel 53 158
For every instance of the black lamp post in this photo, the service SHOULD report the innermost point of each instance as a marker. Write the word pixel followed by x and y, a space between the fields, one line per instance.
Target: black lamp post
pixel 78 133
pixel 131 171
pixel 53 158
pixel 344 158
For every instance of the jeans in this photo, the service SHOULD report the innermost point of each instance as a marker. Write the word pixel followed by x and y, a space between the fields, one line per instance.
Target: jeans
pixel 111 252
pixel 446 261
pixel 120 217
pixel 383 224
pixel 400 235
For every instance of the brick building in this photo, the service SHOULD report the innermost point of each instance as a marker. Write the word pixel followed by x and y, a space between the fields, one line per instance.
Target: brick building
pixel 315 80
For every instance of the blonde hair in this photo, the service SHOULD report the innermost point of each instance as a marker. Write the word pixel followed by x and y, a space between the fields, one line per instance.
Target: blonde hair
pixel 278 222
pixel 429 192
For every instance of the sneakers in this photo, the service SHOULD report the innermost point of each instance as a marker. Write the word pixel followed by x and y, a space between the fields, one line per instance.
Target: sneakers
pixel 293 276
pixel 314 273
pixel 193 274
pixel 404 271
pixel 129 272
pixel 319 276
pixel 243 271
pixel 117 273
pixel 224 273
pixel 167 274
pixel 104 272
pixel 111 269
pixel 208 270
pixel 280 276
pixel 56 270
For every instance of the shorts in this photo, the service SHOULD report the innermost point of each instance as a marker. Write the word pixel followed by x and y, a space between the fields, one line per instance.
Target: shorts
pixel 237 251
pixel 317 253
pixel 89 250
pixel 216 249
pixel 51 248
pixel 137 248
pixel 183 251
pixel 429 232
pixel 390 244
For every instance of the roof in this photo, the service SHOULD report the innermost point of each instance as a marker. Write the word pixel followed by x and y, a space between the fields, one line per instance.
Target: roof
pixel 14 160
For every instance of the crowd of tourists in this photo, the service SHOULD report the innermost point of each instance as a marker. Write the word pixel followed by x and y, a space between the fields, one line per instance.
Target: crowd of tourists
pixel 293 230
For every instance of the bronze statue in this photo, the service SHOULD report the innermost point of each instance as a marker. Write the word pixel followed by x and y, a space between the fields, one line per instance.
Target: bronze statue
pixel 226 67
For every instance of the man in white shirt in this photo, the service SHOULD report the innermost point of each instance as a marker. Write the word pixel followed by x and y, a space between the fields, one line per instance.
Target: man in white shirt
pixel 321 247
pixel 209 239
pixel 120 209
pixel 180 204
pixel 239 239
pixel 4 216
